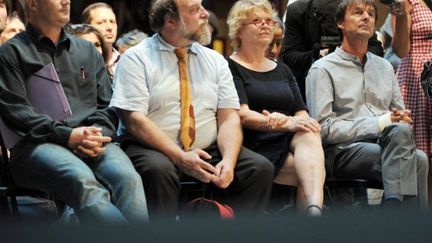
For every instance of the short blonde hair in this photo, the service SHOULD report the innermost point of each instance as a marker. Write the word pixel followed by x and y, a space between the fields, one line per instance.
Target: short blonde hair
pixel 240 11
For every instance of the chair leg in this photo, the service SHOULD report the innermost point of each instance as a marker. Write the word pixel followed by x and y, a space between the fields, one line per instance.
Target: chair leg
pixel 329 196
pixel 14 205
pixel 4 206
pixel 60 206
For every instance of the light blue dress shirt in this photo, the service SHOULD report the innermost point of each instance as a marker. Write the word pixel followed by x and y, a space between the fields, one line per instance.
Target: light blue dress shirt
pixel 147 80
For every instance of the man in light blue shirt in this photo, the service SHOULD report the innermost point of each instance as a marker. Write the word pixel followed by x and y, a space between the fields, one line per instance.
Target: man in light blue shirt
pixel 364 126
pixel 147 94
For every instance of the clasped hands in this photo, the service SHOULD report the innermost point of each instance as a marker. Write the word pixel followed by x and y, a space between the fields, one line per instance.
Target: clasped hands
pixel 403 116
pixel 279 121
pixel 87 141
pixel 193 164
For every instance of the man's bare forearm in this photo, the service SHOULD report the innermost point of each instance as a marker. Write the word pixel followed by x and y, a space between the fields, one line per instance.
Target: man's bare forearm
pixel 149 134
pixel 230 136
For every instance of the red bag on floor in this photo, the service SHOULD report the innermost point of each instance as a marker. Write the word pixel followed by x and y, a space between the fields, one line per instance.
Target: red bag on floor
pixel 202 208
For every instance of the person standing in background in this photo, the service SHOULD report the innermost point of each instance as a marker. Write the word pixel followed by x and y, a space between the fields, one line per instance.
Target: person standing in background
pixel 412 42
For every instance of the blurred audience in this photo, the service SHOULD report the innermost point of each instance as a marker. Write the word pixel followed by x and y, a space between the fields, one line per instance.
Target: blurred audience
pixel 101 16
pixel 91 34
pixel 13 26
pixel 387 32
pixel 213 23
pixel 275 47
pixel 130 39
pixel 3 14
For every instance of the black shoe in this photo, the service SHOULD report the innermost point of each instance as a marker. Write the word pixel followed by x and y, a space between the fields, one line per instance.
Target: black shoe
pixel 391 203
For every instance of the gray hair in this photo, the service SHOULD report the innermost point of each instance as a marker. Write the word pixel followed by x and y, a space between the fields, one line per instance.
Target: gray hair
pixel 131 38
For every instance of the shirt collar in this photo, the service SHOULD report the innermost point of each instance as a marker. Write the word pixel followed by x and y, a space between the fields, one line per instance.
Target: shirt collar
pixel 115 57
pixel 164 46
pixel 35 35
pixel 349 57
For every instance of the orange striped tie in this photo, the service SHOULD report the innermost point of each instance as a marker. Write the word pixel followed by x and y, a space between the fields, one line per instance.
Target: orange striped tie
pixel 187 128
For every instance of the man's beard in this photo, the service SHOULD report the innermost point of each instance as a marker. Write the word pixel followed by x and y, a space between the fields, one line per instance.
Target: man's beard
pixel 202 35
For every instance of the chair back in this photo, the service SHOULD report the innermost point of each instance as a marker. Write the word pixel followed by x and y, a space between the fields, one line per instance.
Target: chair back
pixel 5 174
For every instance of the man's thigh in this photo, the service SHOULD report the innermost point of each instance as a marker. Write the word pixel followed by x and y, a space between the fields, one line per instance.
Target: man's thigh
pixel 359 160
pixel 113 166
pixel 146 160
pixel 50 168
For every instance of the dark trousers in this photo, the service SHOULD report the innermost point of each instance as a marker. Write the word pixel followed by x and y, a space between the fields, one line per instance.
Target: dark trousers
pixel 248 193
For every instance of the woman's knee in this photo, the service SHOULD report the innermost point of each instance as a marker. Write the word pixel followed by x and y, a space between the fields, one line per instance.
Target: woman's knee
pixel 309 139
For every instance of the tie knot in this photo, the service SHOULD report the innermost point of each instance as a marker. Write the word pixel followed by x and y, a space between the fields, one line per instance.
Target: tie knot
pixel 181 53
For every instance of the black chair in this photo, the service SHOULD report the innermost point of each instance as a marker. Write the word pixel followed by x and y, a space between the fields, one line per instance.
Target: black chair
pixel 9 192
pixel 191 188
pixel 356 184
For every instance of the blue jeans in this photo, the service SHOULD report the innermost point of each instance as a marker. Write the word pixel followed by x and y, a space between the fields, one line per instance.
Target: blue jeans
pixel 106 189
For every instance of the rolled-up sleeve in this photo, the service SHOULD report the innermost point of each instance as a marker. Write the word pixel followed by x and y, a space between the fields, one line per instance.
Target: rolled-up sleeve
pixel 227 96
pixel 130 90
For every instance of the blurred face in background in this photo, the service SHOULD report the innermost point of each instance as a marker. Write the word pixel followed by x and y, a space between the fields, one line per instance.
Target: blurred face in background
pixel 92 37
pixel 13 27
pixel 104 20
pixel 3 15
pixel 275 46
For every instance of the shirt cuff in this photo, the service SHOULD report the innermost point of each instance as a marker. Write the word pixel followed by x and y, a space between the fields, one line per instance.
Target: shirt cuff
pixel 384 121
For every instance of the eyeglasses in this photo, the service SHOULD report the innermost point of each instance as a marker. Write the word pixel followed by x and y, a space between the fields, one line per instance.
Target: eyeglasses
pixel 259 22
